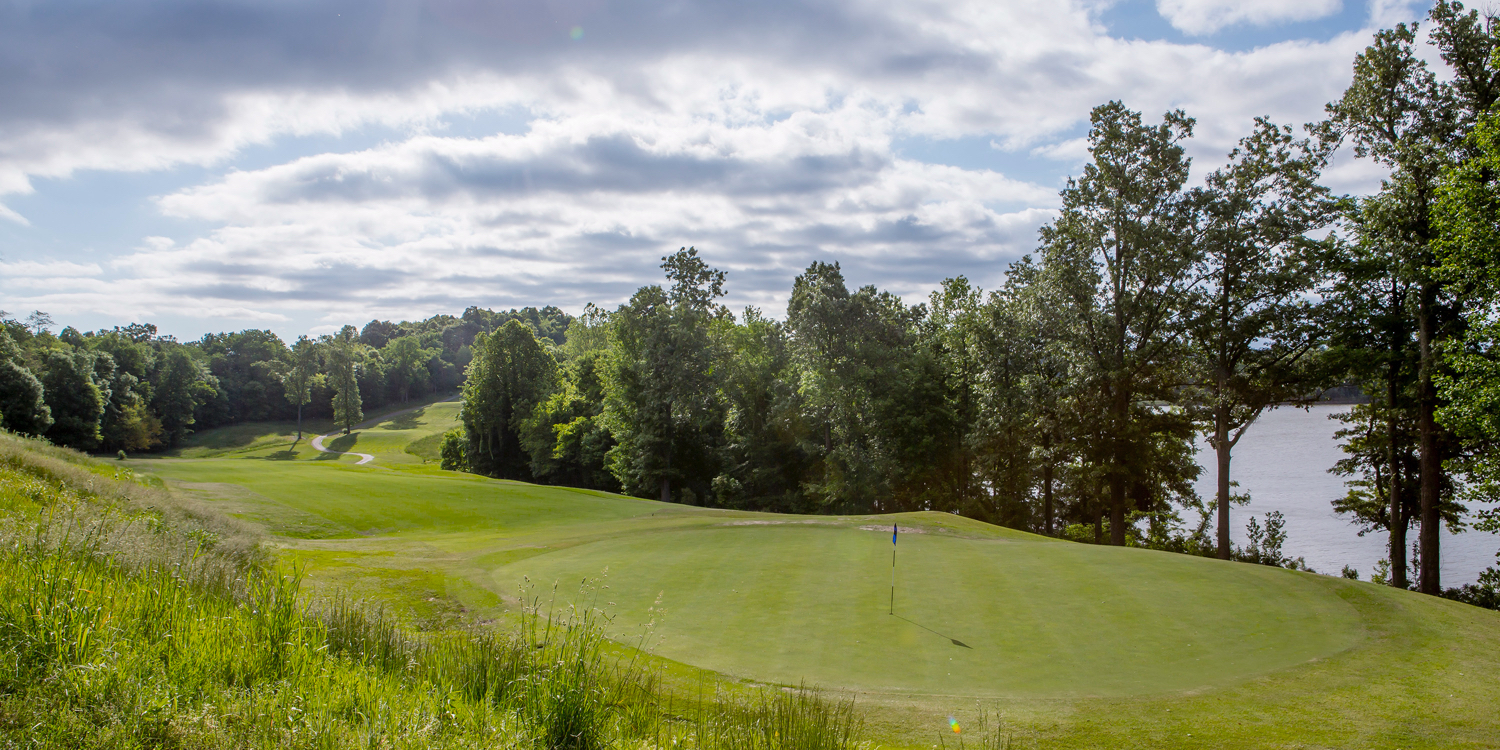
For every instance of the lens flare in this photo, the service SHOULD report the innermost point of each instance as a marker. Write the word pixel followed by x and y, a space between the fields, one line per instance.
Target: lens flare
pixel 576 33
pixel 953 723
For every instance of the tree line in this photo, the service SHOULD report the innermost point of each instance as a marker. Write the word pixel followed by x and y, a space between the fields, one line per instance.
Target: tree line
pixel 130 389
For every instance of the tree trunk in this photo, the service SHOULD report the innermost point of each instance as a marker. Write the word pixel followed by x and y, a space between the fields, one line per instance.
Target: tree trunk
pixel 1047 498
pixel 299 421
pixel 1222 452
pixel 1428 577
pixel 1398 513
pixel 1098 526
pixel 1117 511
pixel 666 479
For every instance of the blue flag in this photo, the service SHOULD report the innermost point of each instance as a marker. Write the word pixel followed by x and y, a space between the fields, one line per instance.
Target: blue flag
pixel 893 533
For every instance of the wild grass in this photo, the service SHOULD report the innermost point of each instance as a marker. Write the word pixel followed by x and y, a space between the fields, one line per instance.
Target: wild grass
pixel 128 619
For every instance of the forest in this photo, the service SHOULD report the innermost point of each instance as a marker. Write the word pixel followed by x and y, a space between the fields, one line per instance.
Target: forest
pixel 1153 313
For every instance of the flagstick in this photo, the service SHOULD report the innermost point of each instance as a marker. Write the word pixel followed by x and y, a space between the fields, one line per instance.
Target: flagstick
pixel 893 570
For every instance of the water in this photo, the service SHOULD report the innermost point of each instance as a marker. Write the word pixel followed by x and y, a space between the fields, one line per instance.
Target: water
pixel 1283 463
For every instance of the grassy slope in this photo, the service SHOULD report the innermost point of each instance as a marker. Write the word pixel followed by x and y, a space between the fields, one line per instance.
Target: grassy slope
pixel 1076 645
pixel 402 434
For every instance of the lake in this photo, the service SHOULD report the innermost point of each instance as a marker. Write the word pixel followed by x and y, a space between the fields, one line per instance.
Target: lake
pixel 1283 463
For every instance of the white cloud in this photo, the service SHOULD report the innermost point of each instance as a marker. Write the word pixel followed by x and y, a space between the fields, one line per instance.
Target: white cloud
pixel 31 269
pixel 761 133
pixel 10 215
pixel 1208 16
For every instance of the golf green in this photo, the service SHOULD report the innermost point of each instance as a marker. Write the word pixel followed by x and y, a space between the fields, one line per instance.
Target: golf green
pixel 790 602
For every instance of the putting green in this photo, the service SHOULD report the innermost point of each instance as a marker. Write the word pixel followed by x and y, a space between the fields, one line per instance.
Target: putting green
pixel 791 602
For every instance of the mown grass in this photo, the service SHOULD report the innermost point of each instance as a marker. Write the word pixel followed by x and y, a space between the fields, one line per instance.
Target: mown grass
pixel 128 619
pixel 1065 645
pixel 399 435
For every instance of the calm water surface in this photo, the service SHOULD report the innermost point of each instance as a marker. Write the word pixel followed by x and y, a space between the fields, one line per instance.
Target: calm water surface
pixel 1283 463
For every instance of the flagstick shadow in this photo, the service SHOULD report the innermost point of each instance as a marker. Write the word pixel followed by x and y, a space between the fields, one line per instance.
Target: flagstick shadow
pixel 955 641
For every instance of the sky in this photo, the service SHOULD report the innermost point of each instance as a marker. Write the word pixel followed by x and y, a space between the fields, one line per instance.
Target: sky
pixel 302 164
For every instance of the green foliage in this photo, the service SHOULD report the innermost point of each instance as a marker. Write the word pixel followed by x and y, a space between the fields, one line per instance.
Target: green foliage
pixel 74 395
pixel 455 451
pixel 1468 245
pixel 344 355
pixel 662 402
pixel 179 386
pixel 565 436
pixel 511 373
pixel 1250 324
pixel 1397 112
pixel 1118 265
pixel 408 364
pixel 22 406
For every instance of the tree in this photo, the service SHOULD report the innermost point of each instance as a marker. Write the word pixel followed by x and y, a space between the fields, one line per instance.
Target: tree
pixel 1382 480
pixel 344 354
pixel 23 406
pixel 408 363
pixel 179 386
pixel 1251 324
pixel 75 398
pixel 1366 312
pixel 763 465
pixel 565 435
pixel 510 374
pixel 1399 114
pixel 1119 261
pixel 662 401
pixel 1468 249
pixel 38 322
pixel 297 380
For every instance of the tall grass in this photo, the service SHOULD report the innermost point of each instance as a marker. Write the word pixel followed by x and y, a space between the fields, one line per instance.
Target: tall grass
pixel 129 620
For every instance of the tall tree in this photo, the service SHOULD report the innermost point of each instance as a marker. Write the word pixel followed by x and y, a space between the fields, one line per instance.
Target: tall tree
pixel 76 398
pixel 872 401
pixel 344 354
pixel 1251 324
pixel 663 404
pixel 565 436
pixel 510 374
pixel 179 385
pixel 407 360
pixel 764 464
pixel 23 406
pixel 1120 257
pixel 297 380
pixel 1468 248
pixel 1366 311
pixel 1397 112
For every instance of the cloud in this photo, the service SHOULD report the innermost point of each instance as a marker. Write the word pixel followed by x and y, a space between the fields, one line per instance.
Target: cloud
pixel 10 215
pixel 1208 16
pixel 575 211
pixel 760 132
pixel 30 269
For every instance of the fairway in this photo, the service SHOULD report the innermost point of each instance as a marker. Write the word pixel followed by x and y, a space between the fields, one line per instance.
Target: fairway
pixel 1091 646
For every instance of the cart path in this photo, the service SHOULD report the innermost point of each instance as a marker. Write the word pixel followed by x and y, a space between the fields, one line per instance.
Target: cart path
pixel 364 458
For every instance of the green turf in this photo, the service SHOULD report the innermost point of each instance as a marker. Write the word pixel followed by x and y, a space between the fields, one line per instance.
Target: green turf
pixel 784 603
pixel 1076 645
pixel 401 434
